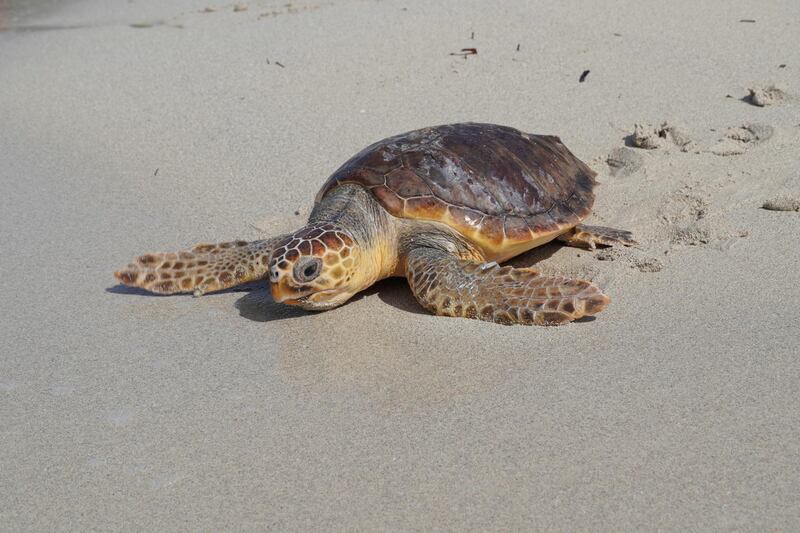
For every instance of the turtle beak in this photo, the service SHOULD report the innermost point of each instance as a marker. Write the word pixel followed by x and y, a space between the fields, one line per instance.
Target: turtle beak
pixel 284 293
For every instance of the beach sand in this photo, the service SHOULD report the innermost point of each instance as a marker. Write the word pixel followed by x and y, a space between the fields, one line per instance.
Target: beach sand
pixel 140 126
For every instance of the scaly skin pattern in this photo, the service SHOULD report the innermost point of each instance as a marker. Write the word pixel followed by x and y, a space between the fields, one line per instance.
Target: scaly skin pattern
pixel 446 285
pixel 214 267
pixel 204 268
pixel 348 243
pixel 334 249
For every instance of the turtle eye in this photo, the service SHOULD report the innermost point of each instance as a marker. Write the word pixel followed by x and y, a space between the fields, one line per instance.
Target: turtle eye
pixel 307 269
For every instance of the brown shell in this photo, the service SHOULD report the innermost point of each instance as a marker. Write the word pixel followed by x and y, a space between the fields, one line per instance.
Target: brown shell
pixel 501 188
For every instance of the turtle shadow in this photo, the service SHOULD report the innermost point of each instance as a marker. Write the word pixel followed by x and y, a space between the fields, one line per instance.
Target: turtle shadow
pixel 257 303
pixel 132 291
pixel 630 141
pixel 530 258
pixel 396 292
pixel 258 306
pixel 136 291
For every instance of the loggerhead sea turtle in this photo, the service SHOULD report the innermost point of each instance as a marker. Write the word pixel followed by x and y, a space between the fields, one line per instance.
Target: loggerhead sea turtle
pixel 440 206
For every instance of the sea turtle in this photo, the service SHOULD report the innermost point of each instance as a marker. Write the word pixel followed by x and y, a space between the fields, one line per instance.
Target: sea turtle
pixel 440 206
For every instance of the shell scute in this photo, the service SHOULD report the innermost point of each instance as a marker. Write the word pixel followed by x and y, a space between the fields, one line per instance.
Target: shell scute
pixel 427 207
pixel 450 180
pixel 466 218
pixel 492 231
pixel 389 199
pixel 406 183
pixel 516 228
pixel 379 159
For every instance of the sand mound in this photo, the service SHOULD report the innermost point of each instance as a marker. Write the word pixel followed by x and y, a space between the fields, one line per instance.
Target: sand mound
pixel 764 96
pixel 782 203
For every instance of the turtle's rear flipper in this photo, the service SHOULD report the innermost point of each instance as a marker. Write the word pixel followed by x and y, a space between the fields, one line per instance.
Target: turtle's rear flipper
pixel 590 236
pixel 204 268
pixel 447 285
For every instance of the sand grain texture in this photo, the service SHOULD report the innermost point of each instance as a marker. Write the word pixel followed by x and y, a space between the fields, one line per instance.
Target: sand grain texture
pixel 675 409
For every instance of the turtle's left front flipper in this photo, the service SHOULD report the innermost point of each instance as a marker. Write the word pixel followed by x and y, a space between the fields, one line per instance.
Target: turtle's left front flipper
pixel 204 268
pixel 450 286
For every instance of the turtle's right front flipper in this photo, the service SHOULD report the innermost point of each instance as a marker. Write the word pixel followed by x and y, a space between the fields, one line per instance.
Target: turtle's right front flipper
pixel 447 285
pixel 204 268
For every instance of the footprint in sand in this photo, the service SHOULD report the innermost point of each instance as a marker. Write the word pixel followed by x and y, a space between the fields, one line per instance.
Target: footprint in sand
pixel 624 161
pixel 666 135
pixel 684 216
pixel 635 259
pixel 687 220
pixel 737 141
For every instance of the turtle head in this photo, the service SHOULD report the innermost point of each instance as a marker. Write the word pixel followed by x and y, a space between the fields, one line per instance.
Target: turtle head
pixel 315 268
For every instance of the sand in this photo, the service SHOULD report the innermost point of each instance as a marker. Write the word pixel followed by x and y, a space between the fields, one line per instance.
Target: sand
pixel 145 125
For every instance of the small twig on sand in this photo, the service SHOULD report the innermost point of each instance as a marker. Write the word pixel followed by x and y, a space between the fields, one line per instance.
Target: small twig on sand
pixel 465 52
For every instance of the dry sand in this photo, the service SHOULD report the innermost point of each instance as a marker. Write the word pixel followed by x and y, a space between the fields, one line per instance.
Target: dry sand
pixel 147 125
